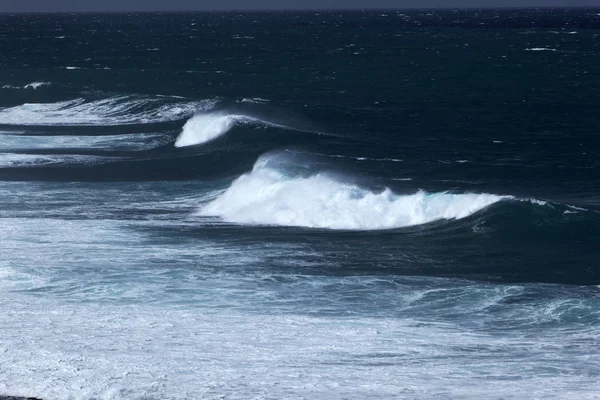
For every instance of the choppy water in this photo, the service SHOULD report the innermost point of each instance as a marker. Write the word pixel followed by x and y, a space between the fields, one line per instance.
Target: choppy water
pixel 398 204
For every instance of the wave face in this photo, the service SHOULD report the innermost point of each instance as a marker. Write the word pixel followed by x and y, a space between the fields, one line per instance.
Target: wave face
pixel 113 111
pixel 203 128
pixel 208 126
pixel 267 196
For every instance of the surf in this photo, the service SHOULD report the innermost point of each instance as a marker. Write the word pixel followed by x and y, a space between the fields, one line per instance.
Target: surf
pixel 270 196
pixel 209 125
pixel 203 128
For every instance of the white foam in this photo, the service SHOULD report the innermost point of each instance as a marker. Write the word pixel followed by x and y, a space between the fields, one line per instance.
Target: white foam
pixel 64 351
pixel 32 85
pixel 119 110
pixel 123 142
pixel 540 49
pixel 254 100
pixel 534 201
pixel 34 160
pixel 267 196
pixel 35 85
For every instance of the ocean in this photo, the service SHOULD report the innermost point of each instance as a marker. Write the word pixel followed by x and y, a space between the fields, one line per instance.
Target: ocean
pixel 300 205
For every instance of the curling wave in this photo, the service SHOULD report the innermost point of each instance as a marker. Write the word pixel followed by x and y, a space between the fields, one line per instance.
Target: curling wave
pixel 268 196
pixel 208 126
pixel 113 111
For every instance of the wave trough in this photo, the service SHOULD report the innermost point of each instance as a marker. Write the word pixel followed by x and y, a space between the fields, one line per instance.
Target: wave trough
pixel 267 196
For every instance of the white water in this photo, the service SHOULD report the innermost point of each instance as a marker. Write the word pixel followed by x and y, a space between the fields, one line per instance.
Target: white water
pixel 119 110
pixel 143 352
pixel 267 196
pixel 540 49
pixel 92 309
pixel 32 85
pixel 34 160
pixel 102 308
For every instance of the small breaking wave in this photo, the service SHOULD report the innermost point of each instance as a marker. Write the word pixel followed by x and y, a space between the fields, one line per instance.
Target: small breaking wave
pixel 113 111
pixel 540 49
pixel 208 126
pixel 32 85
pixel 268 196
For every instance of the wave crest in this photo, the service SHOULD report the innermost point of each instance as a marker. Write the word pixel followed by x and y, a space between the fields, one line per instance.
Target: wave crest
pixel 32 85
pixel 205 127
pixel 267 196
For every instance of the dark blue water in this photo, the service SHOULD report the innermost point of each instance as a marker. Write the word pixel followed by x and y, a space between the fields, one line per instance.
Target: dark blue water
pixel 391 204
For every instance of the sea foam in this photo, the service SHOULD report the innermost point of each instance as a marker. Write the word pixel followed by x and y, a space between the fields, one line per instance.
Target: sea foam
pixel 267 196
pixel 32 85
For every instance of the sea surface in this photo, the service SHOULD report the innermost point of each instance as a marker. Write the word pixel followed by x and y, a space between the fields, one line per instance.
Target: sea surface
pixel 300 205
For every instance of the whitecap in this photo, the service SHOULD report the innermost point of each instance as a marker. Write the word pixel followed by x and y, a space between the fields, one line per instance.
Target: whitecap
pixel 32 85
pixel 267 196
pixel 540 49
pixel 208 126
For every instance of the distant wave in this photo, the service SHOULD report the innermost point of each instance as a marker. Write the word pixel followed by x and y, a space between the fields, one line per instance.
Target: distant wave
pixel 256 100
pixel 208 126
pixel 268 196
pixel 118 110
pixel 32 85
pixel 540 49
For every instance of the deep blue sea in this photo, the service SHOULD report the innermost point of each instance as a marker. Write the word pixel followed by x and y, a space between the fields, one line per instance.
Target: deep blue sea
pixel 300 205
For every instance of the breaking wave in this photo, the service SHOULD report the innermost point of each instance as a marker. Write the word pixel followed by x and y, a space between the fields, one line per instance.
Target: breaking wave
pixel 540 49
pixel 268 196
pixel 32 85
pixel 208 126
pixel 113 111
